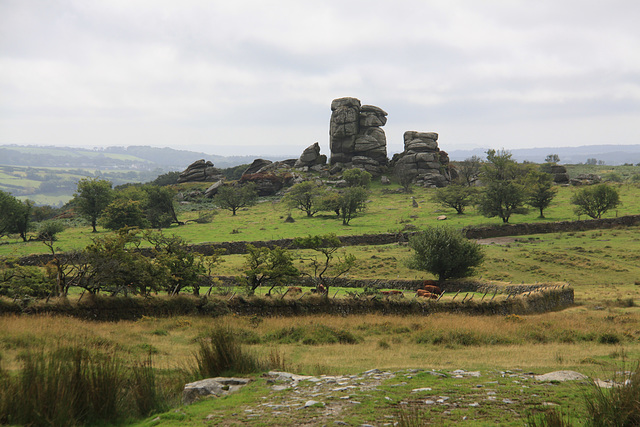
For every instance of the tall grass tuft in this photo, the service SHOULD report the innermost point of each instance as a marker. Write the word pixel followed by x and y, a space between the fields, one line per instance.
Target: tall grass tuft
pixel 72 386
pixel 617 406
pixel 549 418
pixel 144 389
pixel 220 353
pixel 413 418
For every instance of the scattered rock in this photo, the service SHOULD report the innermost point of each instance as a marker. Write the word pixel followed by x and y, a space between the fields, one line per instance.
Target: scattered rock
pixel 561 376
pixel 311 157
pixel 218 386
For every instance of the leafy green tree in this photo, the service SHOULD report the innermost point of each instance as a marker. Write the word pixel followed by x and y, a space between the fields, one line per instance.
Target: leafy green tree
pixel 539 190
pixel 596 201
pixel 268 266
pixel 185 268
pixel 15 215
pixel 92 197
pixel 503 195
pixel 502 199
pixel 305 196
pixel 456 196
pixel 159 206
pixel 327 259
pixel 169 178
pixel 234 198
pixel 351 201
pixel 112 263
pixel 357 178
pixel 122 212
pixel 444 252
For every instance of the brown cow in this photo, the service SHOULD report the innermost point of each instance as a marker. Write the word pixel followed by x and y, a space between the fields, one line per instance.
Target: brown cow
pixel 294 290
pixel 430 283
pixel 433 289
pixel 389 293
pixel 426 294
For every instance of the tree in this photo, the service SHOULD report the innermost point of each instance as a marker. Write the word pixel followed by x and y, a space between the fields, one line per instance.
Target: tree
pixel 305 196
pixel 444 252
pixel 92 197
pixel 185 268
pixel 158 206
pixel 351 201
pixel 503 196
pixel 502 199
pixel 15 215
pixel 552 158
pixel 326 248
pixel 456 196
pixel 268 266
pixel 469 170
pixel 595 201
pixel 123 212
pixel 234 198
pixel 357 178
pixel 539 190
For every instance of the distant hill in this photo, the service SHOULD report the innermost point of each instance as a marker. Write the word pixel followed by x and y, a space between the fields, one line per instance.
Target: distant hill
pixel 122 158
pixel 609 154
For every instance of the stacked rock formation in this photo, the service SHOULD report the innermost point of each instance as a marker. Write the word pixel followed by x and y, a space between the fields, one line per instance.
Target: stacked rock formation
pixel 356 139
pixel 422 161
pixel 200 171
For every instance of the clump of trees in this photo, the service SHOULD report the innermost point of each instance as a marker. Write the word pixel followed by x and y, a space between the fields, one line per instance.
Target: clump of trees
pixel 266 266
pixel 445 253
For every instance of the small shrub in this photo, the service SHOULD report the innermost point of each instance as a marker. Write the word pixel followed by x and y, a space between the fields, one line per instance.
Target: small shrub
pixel 384 344
pixel 609 338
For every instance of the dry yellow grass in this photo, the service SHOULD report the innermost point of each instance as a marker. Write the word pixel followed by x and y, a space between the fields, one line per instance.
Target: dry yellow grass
pixel 578 337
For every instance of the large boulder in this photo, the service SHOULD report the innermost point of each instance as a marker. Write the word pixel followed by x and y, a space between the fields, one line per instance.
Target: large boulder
pixel 311 157
pixel 257 166
pixel 200 171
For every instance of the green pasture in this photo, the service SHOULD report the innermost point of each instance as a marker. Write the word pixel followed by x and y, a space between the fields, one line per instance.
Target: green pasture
pixel 384 213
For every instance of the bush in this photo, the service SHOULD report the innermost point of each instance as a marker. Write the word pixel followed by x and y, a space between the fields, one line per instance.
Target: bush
pixel 444 252
pixel 357 178
pixel 47 230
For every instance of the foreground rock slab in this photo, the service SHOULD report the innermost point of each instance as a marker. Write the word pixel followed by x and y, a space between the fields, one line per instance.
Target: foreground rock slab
pixel 218 386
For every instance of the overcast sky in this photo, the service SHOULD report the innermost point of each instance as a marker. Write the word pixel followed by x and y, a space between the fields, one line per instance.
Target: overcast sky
pixel 257 77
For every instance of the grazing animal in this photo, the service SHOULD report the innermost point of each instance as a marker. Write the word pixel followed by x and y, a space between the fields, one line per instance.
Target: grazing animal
pixel 389 293
pixel 433 289
pixel 430 283
pixel 426 294
pixel 294 290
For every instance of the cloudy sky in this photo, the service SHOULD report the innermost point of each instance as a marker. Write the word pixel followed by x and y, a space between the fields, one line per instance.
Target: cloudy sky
pixel 257 77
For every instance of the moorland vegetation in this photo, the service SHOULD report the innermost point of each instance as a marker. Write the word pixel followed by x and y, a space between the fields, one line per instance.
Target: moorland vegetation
pixel 145 358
